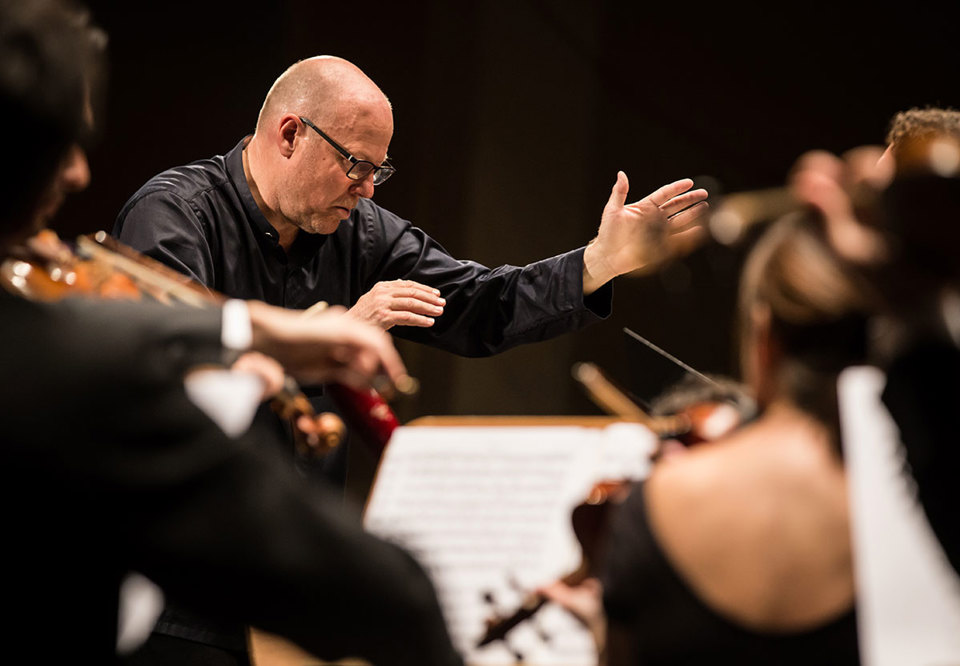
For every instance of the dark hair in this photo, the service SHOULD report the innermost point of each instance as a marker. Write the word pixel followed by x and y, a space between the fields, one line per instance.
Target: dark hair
pixel 692 390
pixel 51 68
pixel 818 306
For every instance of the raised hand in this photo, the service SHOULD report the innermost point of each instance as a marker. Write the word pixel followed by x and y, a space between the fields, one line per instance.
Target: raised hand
pixel 825 182
pixel 642 235
pixel 399 303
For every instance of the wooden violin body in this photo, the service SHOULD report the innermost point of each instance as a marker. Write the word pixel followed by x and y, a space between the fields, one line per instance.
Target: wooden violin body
pixel 690 423
pixel 45 269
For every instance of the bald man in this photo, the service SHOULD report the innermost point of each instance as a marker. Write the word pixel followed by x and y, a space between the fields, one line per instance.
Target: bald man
pixel 287 217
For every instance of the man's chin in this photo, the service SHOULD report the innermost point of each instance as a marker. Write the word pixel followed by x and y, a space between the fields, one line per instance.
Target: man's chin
pixel 324 227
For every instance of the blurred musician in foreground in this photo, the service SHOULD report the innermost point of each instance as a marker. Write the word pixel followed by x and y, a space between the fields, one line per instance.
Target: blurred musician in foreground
pixel 107 465
pixel 911 252
pixel 738 551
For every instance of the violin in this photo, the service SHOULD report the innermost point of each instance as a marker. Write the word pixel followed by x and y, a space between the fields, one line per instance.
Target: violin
pixel 692 417
pixel 46 269
pixel 689 414
pixel 590 521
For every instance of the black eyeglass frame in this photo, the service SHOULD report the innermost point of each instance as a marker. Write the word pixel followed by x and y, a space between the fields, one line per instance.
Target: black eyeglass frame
pixel 380 173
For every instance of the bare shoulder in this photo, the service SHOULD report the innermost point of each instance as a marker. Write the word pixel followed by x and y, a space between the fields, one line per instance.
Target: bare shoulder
pixel 743 519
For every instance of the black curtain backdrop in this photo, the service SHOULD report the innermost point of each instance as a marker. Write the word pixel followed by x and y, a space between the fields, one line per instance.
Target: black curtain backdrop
pixel 512 120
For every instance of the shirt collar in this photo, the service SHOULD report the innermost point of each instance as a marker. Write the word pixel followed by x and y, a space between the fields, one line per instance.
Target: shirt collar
pixel 304 245
pixel 234 162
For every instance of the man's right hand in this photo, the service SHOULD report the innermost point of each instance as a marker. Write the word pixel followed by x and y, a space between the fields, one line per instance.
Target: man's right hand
pixel 399 303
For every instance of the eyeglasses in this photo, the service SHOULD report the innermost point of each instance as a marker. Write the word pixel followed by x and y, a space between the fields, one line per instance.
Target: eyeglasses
pixel 359 169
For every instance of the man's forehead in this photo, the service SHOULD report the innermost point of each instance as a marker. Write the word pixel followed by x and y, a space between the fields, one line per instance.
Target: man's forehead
pixel 361 112
pixel 363 138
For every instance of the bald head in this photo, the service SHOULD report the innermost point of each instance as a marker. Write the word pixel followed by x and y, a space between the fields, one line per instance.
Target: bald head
pixel 324 88
pixel 320 118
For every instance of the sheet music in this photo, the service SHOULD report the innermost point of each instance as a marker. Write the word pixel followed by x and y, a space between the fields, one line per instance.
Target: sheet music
pixel 486 510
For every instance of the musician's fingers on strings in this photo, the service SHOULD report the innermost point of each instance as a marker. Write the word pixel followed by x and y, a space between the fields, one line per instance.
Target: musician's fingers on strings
pixel 265 367
pixel 350 376
pixel 584 600
pixel 376 363
pixel 869 165
pixel 391 365
pixel 819 184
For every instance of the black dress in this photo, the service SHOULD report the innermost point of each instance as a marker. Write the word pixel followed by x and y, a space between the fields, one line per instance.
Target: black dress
pixel 668 624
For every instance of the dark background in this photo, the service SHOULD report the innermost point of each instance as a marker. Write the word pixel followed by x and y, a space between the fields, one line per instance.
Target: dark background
pixel 512 120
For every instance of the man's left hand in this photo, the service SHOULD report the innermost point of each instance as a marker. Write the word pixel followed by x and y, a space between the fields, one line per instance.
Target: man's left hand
pixel 643 235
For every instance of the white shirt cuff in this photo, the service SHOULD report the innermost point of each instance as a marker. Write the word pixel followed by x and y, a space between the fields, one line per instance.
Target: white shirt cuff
pixel 237 331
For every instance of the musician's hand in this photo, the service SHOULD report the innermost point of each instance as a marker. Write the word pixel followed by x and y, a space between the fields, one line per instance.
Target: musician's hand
pixel 642 235
pixel 328 347
pixel 585 602
pixel 399 303
pixel 826 181
pixel 267 369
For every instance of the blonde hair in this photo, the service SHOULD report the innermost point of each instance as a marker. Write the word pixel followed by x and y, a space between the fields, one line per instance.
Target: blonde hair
pixel 818 307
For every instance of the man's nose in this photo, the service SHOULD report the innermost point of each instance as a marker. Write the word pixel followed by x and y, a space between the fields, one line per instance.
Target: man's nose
pixel 364 188
pixel 75 174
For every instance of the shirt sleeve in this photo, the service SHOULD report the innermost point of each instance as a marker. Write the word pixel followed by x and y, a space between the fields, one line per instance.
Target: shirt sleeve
pixel 225 525
pixel 167 228
pixel 236 332
pixel 488 310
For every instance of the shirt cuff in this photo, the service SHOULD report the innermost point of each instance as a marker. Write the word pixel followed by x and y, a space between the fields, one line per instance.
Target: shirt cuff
pixel 237 331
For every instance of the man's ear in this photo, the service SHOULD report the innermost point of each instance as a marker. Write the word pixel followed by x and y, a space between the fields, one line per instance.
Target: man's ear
pixel 287 134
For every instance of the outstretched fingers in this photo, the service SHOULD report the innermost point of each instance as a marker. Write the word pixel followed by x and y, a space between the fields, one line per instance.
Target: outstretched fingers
pixel 683 201
pixel 664 194
pixel 689 216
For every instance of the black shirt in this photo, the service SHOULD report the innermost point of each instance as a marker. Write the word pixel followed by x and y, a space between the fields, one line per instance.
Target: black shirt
pixel 922 396
pixel 202 220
